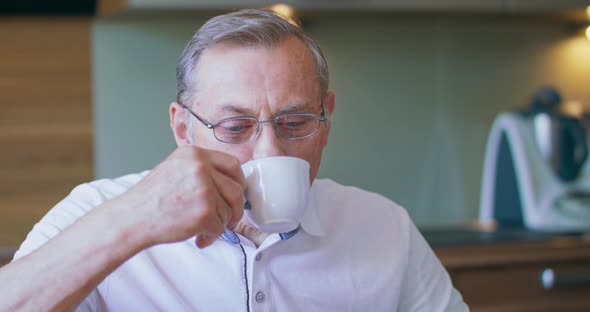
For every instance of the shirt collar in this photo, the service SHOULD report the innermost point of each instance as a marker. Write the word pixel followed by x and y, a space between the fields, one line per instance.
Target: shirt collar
pixel 310 222
pixel 233 238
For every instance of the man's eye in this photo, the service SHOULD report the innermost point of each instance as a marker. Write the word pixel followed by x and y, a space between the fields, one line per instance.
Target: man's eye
pixel 293 122
pixel 236 126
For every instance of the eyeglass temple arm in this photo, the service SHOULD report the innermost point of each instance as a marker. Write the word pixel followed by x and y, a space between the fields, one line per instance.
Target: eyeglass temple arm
pixel 206 124
pixel 323 114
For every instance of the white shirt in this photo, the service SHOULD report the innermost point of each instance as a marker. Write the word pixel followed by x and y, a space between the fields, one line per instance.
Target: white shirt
pixel 354 251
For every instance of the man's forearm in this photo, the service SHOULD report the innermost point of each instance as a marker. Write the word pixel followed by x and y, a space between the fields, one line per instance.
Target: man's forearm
pixel 60 274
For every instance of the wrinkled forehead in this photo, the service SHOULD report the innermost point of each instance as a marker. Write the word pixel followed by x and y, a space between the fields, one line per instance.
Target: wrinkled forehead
pixel 232 75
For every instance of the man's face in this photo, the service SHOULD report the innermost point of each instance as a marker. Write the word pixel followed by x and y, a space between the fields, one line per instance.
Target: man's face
pixel 260 82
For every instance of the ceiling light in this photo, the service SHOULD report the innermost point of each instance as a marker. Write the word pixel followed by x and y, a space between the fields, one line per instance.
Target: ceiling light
pixel 286 11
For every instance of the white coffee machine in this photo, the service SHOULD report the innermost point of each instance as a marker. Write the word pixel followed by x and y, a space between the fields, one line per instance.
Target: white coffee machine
pixel 535 170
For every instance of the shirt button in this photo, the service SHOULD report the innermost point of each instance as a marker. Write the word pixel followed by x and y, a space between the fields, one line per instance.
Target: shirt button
pixel 258 256
pixel 259 296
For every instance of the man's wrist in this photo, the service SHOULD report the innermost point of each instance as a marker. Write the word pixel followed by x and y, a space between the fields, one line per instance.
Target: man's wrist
pixel 122 221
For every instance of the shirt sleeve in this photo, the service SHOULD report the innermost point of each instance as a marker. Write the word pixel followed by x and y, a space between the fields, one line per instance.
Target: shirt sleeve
pixel 427 285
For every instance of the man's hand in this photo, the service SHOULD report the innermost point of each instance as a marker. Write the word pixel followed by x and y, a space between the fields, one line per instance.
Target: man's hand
pixel 193 192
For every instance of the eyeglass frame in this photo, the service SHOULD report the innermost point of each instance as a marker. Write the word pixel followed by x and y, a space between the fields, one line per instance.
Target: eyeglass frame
pixel 321 118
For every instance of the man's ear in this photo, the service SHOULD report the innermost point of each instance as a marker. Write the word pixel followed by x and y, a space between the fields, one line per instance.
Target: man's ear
pixel 178 124
pixel 329 106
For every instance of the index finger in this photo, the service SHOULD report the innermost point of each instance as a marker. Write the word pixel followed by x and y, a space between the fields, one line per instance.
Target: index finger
pixel 228 165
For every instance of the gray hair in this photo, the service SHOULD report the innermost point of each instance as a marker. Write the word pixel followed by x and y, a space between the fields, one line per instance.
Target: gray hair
pixel 250 28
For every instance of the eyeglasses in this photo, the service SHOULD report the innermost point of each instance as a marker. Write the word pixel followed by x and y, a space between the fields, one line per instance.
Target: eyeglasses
pixel 236 130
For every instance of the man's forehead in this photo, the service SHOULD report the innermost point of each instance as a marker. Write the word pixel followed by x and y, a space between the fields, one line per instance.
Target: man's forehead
pixel 244 108
pixel 238 80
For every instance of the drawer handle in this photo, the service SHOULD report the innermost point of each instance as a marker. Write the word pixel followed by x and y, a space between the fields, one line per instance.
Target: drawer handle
pixel 551 279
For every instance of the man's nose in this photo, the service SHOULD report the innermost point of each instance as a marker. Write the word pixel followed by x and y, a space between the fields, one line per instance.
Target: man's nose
pixel 268 143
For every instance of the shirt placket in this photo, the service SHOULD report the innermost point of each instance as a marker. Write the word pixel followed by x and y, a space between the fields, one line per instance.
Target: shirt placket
pixel 258 261
pixel 262 300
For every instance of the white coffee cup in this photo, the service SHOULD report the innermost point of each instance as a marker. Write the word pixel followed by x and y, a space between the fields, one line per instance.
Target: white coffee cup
pixel 277 192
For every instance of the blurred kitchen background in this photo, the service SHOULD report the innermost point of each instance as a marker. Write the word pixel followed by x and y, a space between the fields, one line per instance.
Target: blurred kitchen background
pixel 416 92
pixel 85 87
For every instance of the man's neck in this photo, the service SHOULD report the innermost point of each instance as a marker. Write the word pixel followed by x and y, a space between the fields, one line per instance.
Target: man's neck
pixel 251 233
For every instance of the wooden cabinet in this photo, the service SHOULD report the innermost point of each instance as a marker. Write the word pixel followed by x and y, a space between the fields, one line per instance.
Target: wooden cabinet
pixel 507 276
pixel 45 120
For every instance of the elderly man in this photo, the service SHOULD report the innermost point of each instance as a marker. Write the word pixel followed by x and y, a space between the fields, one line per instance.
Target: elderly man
pixel 175 239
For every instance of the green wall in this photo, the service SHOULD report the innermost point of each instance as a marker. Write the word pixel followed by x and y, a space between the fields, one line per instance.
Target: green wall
pixel 416 96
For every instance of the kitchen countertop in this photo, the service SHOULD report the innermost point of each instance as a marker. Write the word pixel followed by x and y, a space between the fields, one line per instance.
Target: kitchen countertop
pixel 458 236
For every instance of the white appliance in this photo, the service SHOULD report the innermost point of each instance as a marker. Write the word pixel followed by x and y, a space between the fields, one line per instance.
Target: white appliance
pixel 521 185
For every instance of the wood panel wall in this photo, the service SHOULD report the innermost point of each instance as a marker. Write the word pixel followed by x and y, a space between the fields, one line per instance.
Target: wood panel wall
pixel 45 117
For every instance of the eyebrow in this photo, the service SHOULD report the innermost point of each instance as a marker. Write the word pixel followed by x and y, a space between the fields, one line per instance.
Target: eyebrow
pixel 295 108
pixel 234 109
pixel 290 108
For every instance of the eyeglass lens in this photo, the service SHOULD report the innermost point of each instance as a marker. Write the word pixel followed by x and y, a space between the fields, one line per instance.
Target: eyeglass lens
pixel 242 129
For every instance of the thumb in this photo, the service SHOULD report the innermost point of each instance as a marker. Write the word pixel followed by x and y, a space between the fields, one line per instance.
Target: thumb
pixel 204 240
